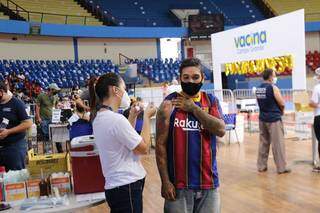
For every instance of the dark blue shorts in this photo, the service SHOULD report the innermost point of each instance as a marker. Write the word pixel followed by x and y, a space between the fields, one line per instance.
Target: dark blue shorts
pixel 13 156
pixel 127 198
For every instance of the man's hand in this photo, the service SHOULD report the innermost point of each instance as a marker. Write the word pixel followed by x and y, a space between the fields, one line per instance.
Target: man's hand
pixel 168 191
pixel 150 110
pixel 186 104
pixel 4 133
pixel 38 120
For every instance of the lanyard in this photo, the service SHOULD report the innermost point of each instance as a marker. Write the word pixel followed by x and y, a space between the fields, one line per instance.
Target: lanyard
pixel 105 107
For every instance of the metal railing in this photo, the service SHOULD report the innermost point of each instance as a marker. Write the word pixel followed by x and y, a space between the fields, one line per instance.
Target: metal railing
pixel 227 100
pixel 287 94
pixel 19 10
pixel 244 94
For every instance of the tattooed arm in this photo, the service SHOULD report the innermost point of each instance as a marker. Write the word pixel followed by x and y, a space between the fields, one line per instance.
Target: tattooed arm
pixel 212 124
pixel 162 130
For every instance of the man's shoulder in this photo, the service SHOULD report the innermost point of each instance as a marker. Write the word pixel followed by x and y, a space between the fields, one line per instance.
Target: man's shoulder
pixel 42 95
pixel 16 102
pixel 211 97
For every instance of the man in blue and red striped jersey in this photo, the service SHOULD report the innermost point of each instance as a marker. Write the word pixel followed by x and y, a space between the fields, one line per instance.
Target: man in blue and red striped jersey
pixel 187 126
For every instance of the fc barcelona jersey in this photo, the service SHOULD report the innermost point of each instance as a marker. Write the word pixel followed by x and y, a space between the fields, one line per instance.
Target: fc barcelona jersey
pixel 191 150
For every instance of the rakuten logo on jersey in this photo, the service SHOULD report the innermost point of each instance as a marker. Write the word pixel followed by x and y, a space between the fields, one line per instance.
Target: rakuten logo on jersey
pixel 187 125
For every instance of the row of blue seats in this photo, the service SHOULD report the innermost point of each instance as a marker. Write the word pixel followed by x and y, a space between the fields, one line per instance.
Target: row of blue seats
pixel 159 70
pixel 65 73
pixel 68 73
pixel 152 61
pixel 81 61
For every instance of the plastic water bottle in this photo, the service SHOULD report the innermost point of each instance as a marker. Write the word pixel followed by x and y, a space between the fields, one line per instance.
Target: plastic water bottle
pixel 4 123
pixel 34 130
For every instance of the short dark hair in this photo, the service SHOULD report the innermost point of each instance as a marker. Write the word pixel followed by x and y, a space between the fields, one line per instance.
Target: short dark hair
pixel 267 73
pixel 3 86
pixel 190 62
pixel 106 80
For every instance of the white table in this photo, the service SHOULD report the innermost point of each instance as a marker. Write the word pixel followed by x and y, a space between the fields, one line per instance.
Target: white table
pixel 59 133
pixel 72 207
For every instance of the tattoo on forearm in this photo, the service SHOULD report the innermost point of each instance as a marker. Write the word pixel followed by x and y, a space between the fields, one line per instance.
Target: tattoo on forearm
pixel 212 124
pixel 162 129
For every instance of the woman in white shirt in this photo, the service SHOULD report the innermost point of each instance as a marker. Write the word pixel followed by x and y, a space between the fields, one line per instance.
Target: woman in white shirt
pixel 315 103
pixel 120 145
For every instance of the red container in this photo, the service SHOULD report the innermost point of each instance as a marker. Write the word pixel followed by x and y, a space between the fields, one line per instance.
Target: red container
pixel 1 192
pixel 83 143
pixel 2 171
pixel 86 167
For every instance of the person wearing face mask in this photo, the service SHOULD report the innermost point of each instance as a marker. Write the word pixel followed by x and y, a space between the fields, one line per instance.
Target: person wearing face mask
pixel 315 103
pixel 186 128
pixel 120 146
pixel 271 108
pixel 45 102
pixel 14 124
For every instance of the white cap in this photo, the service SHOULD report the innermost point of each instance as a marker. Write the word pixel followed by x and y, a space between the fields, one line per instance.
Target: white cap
pixel 317 71
pixel 54 86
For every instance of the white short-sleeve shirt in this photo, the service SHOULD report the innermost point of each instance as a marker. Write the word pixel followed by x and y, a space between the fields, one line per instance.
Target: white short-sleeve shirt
pixel 115 139
pixel 316 98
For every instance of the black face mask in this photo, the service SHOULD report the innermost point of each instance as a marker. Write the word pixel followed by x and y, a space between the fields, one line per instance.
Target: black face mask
pixel 191 88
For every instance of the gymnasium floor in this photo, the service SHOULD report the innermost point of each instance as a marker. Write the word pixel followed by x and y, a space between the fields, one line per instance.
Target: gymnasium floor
pixel 243 189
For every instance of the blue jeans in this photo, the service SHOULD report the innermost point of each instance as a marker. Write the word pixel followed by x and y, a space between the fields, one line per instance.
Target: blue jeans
pixel 13 156
pixel 45 131
pixel 45 128
pixel 127 198
pixel 194 201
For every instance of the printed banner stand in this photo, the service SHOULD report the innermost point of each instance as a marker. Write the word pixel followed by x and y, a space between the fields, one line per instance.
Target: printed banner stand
pixel 279 36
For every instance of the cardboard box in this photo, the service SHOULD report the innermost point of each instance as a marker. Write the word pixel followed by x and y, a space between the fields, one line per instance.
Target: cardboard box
pixel 15 191
pixel 33 189
pixel 62 183
pixel 48 163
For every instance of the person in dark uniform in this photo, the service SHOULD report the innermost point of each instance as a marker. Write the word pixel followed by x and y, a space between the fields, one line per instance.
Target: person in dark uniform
pixel 271 105
pixel 14 124
pixel 315 103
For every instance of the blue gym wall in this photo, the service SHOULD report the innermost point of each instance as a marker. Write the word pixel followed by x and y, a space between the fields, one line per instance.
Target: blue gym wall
pixel 284 82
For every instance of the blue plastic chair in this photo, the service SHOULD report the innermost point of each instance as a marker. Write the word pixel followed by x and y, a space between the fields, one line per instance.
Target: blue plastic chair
pixel 230 121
